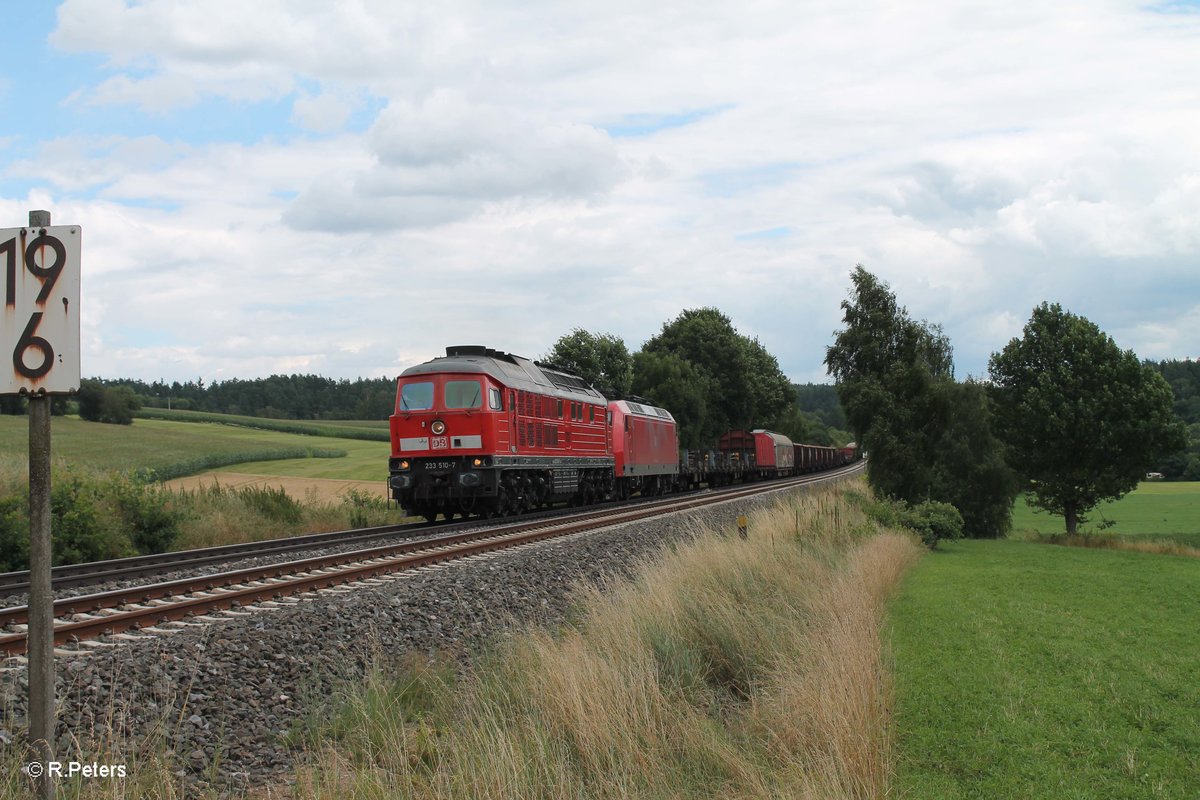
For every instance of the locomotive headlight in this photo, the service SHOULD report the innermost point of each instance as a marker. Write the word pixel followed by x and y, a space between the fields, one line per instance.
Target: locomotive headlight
pixel 404 464
pixel 478 462
pixel 438 427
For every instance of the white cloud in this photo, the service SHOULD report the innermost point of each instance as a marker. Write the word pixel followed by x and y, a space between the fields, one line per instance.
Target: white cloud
pixel 326 112
pixel 981 158
pixel 447 158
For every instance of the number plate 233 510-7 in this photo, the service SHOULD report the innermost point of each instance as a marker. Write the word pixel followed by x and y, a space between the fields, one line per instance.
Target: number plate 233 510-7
pixel 439 466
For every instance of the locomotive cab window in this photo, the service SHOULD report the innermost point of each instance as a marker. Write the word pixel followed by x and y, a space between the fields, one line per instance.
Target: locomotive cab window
pixel 416 397
pixel 463 394
pixel 495 401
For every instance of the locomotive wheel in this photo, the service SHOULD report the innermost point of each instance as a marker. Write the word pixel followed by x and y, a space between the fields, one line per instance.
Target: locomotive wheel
pixel 466 506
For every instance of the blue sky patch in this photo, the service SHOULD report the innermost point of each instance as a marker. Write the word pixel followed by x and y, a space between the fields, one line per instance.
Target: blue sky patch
pixel 634 125
pixel 726 184
pixel 767 234
pixel 1174 7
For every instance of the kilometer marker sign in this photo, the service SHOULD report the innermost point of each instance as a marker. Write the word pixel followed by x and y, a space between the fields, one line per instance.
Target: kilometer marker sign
pixel 39 335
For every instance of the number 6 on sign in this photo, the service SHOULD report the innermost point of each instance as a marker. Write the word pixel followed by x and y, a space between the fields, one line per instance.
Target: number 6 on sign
pixel 40 327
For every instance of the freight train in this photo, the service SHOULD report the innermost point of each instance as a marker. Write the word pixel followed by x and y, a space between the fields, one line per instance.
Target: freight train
pixel 485 432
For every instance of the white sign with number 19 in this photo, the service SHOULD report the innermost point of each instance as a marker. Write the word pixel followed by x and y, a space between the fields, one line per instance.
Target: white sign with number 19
pixel 39 337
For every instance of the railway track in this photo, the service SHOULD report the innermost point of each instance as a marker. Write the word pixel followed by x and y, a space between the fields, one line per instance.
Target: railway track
pixel 69 576
pixel 142 608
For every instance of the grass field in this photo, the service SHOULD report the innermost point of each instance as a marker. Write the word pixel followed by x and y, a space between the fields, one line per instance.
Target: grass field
pixel 370 429
pixel 1158 509
pixel 1029 671
pixel 364 461
pixel 174 449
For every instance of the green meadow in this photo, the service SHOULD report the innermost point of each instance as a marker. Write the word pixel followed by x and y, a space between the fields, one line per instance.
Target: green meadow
pixel 1029 671
pixel 173 449
pixel 363 461
pixel 1157 509
pixel 371 429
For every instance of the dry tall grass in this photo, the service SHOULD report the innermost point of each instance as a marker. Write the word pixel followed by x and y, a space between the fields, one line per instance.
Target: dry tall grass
pixel 1108 542
pixel 731 668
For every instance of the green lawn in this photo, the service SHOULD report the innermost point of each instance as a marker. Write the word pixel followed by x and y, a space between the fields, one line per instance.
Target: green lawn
pixel 371 429
pixel 1156 508
pixel 170 447
pixel 364 461
pixel 1029 671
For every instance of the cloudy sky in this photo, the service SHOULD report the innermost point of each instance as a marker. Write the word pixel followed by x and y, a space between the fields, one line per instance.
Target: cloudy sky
pixel 344 188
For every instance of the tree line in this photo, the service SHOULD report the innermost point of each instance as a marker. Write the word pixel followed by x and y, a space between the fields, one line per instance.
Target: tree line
pixel 708 375
pixel 301 397
pixel 1184 379
pixel 1066 416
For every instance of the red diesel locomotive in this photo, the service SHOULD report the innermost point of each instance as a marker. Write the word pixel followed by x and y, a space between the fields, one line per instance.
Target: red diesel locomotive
pixel 485 432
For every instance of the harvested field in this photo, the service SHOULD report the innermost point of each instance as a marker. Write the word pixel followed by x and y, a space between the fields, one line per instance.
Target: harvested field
pixel 324 490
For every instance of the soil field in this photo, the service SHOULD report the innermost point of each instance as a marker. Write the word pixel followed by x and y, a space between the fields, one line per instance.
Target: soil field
pixel 323 490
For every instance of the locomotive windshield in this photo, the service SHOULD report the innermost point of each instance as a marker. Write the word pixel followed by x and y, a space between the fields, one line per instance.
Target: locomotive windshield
pixel 463 394
pixel 416 397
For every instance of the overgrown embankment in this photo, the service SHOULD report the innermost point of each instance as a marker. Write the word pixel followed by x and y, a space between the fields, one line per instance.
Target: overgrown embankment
pixel 733 668
pixel 101 514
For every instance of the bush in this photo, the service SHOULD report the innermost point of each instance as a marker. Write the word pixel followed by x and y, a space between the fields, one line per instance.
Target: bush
pixel 365 508
pixel 14 533
pixel 272 503
pixel 81 529
pixel 99 403
pixel 935 522
pixel 152 524
pixel 93 516
pixel 930 520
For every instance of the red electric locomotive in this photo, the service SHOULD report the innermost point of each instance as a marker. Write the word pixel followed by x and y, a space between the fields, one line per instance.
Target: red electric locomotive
pixel 645 446
pixel 485 432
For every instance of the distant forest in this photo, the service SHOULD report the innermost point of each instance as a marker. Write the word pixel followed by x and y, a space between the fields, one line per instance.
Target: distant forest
pixel 313 397
pixel 276 397
pixel 1184 377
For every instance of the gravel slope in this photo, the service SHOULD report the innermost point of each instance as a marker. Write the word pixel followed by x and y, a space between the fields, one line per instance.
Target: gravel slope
pixel 225 692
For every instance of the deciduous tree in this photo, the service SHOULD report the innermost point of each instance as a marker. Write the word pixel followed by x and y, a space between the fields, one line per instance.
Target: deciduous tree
pixel 928 437
pixel 676 385
pixel 601 359
pixel 1082 419
pixel 746 386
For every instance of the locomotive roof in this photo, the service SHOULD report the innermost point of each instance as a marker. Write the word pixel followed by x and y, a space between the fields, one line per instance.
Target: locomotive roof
pixel 643 409
pixel 512 371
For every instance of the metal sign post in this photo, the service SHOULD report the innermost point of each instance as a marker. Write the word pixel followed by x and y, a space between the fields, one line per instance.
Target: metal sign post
pixel 40 328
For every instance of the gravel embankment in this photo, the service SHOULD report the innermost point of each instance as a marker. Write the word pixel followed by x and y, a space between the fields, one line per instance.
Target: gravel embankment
pixel 221 694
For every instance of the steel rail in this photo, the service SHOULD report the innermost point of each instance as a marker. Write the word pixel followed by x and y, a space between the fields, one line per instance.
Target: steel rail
pixel 67 575
pixel 232 588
